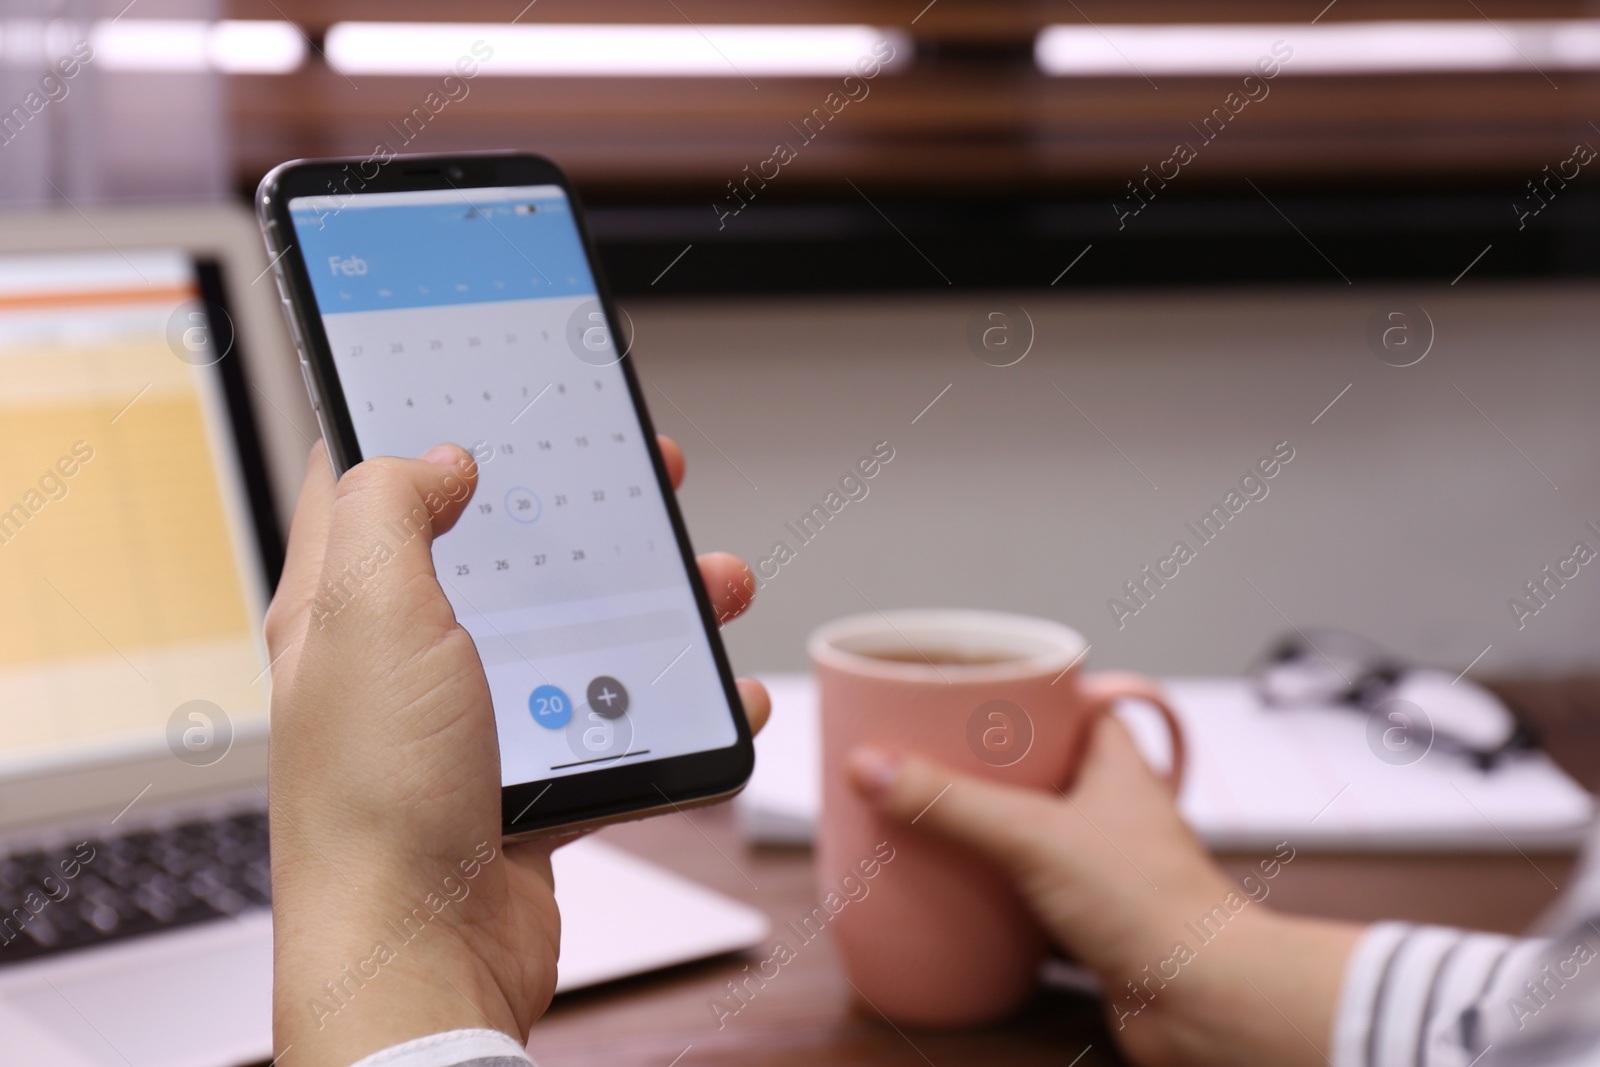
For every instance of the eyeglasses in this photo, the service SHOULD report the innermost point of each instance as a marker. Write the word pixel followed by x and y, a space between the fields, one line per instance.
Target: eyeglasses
pixel 1415 705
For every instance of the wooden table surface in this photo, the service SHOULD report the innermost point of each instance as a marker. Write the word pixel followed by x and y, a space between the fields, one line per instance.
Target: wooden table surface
pixel 806 1015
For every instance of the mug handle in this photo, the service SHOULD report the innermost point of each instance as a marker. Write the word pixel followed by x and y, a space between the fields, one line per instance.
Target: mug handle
pixel 1104 689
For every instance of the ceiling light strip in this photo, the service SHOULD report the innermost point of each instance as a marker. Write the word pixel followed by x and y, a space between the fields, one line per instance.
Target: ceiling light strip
pixel 1332 48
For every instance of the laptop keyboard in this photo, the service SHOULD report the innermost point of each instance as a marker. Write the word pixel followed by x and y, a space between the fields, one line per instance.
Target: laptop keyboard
pixel 131 884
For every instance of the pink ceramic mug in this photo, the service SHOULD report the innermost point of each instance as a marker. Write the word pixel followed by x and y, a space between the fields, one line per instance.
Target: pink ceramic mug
pixel 940 939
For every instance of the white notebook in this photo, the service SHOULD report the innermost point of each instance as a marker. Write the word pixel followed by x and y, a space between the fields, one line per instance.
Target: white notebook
pixel 1256 777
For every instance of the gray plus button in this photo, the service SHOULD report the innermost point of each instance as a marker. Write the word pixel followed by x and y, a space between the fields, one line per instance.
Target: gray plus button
pixel 607 697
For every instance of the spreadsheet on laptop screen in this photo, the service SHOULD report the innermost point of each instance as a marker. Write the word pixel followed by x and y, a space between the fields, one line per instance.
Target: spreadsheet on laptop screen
pixel 129 577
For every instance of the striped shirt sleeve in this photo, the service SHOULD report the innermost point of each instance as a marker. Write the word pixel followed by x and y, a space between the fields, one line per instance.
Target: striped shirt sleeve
pixel 456 1048
pixel 1431 996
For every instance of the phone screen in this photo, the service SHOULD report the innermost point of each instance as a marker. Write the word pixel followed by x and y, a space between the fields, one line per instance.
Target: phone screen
pixel 472 316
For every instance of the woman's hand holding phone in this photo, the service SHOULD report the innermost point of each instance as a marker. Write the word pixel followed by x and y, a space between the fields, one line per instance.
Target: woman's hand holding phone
pixel 397 913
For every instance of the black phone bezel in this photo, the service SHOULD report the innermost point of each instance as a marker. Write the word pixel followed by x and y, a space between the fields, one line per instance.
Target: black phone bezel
pixel 587 797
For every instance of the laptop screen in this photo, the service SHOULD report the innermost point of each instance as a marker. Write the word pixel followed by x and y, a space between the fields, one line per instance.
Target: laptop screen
pixel 131 582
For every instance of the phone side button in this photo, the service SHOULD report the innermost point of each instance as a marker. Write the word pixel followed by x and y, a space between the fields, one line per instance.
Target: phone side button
pixel 311 390
pixel 327 435
pixel 294 328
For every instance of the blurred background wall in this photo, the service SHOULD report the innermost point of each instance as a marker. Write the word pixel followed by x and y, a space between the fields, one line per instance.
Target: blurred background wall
pixel 108 101
pixel 1044 487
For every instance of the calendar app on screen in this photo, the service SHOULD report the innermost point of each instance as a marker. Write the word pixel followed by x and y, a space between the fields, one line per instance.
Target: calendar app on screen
pixel 471 316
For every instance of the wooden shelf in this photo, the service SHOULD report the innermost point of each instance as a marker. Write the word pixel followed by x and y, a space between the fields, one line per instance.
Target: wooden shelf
pixel 970 107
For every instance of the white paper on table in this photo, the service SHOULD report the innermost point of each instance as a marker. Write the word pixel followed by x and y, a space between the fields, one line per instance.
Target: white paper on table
pixel 1255 777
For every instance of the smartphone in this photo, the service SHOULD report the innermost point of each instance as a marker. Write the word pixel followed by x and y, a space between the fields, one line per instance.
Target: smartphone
pixel 458 298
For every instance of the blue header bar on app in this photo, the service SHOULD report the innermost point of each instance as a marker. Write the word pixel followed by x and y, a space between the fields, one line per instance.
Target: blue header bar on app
pixel 450 247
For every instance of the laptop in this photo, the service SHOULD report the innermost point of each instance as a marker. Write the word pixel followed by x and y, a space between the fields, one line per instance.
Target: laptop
pixel 152 436
pixel 139 542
